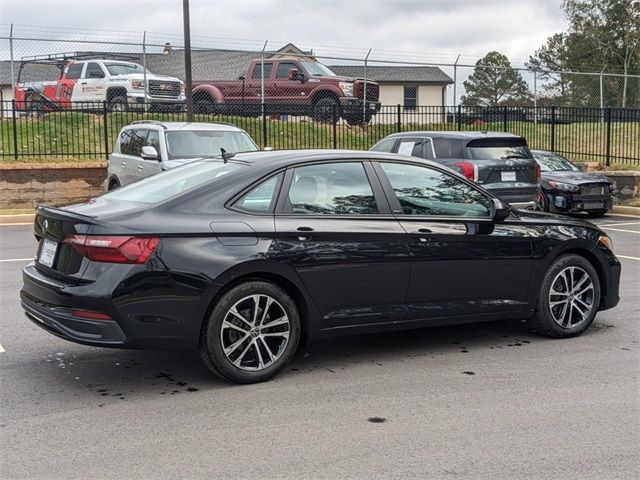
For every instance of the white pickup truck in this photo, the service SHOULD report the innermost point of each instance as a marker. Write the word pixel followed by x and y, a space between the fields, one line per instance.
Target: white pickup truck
pixel 84 83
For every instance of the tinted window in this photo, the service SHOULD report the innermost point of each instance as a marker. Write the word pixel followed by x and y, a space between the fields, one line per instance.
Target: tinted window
pixel 256 71
pixel 75 70
pixel 93 71
pixel 385 145
pixel 551 162
pixel 497 149
pixel 410 97
pixel 262 198
pixel 423 191
pixel 132 141
pixel 206 143
pixel 168 184
pixel 153 140
pixel 448 148
pixel 414 147
pixel 331 189
pixel 283 70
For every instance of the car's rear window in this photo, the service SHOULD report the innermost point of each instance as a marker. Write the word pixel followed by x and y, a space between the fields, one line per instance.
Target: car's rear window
pixel 497 149
pixel 174 182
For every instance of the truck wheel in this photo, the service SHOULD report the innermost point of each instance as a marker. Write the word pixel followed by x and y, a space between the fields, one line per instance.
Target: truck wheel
pixel 355 118
pixel 203 103
pixel 117 103
pixel 323 110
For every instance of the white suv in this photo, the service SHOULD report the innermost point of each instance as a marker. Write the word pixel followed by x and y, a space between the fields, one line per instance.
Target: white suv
pixel 147 147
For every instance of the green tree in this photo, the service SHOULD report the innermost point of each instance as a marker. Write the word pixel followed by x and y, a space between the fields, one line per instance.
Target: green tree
pixel 495 82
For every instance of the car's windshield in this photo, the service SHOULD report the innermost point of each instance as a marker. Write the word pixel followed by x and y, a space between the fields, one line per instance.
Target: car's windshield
pixel 124 68
pixel 317 69
pixel 205 143
pixel 163 186
pixel 554 163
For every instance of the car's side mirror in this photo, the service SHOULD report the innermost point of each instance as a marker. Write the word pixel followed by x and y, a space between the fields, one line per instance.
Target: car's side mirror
pixel 149 153
pixel 500 210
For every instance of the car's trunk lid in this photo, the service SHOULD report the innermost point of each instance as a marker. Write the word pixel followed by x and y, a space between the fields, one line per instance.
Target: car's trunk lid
pixel 502 160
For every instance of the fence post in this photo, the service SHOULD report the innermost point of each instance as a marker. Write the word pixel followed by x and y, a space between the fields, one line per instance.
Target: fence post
pixel 105 129
pixel 459 117
pixel 504 118
pixel 15 129
pixel 399 119
pixel 264 127
pixel 552 145
pixel 607 158
pixel 334 124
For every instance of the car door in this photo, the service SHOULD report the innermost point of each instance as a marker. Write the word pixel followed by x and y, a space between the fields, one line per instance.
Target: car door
pixel 285 90
pixel 150 166
pixel 334 227
pixel 131 163
pixel 92 86
pixel 462 262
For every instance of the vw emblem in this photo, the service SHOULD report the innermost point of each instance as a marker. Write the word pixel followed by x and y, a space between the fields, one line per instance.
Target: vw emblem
pixel 510 163
pixel 45 225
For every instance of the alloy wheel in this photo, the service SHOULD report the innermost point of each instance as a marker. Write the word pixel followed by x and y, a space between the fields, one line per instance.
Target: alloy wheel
pixel 571 297
pixel 255 332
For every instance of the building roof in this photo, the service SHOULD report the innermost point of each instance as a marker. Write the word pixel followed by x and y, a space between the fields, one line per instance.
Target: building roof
pixel 396 74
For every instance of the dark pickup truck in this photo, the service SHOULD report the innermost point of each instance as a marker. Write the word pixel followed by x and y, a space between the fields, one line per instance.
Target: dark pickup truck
pixel 293 87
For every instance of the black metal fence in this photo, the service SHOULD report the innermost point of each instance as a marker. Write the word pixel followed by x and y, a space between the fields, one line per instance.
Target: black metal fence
pixel 87 130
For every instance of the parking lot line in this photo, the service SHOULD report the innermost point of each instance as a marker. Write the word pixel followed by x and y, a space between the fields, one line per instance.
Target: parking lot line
pixel 620 230
pixel 16 259
pixel 2 350
pixel 617 224
pixel 627 258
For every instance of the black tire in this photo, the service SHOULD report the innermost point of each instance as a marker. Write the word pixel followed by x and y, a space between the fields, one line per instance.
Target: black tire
pixel 203 104
pixel 544 321
pixel 544 203
pixel 113 184
pixel 214 335
pixel 355 118
pixel 324 108
pixel 597 213
pixel 117 103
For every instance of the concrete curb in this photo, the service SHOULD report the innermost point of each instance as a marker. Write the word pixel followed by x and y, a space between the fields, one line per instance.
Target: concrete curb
pixel 626 210
pixel 17 219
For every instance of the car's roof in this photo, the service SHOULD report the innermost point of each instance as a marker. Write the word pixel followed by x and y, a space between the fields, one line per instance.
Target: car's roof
pixel 280 158
pixel 456 135
pixel 171 126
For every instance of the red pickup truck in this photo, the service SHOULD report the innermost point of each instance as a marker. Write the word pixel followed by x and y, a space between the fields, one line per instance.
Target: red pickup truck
pixel 291 86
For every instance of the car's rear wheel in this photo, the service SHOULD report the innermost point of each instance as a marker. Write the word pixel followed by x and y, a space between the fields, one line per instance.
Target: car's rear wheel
pixel 113 184
pixel 568 299
pixel 252 333
pixel 544 203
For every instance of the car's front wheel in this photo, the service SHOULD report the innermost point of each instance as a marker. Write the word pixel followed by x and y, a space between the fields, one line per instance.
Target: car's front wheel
pixel 568 299
pixel 251 333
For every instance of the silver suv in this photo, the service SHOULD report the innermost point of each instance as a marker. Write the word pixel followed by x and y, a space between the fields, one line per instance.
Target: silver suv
pixel 147 147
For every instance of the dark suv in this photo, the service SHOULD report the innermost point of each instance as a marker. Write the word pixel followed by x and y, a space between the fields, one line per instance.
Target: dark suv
pixel 501 162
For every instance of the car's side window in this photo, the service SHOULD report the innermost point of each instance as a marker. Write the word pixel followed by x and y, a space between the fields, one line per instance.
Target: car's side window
pixel 74 71
pixel 93 71
pixel 257 74
pixel 413 147
pixel 331 189
pixel 153 140
pixel 282 73
pixel 262 198
pixel 448 148
pixel 132 141
pixel 385 145
pixel 425 191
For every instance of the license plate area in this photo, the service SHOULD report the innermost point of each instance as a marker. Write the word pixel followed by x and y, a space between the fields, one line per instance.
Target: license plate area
pixel 48 252
pixel 508 176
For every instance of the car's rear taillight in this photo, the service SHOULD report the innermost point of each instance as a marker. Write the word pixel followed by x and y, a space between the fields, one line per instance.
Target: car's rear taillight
pixel 468 170
pixel 90 315
pixel 113 249
pixel 538 173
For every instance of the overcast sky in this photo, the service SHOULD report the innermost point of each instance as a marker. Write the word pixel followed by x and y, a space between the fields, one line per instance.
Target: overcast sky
pixel 434 29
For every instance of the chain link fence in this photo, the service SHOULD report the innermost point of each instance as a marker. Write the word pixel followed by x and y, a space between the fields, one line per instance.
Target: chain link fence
pixel 293 96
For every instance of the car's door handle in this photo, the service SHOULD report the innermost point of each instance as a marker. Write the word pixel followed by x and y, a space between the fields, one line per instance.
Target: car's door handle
pixel 140 168
pixel 424 230
pixel 83 83
pixel 123 164
pixel 304 229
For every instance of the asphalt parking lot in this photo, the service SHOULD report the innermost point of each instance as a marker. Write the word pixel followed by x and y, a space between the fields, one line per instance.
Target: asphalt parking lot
pixel 480 401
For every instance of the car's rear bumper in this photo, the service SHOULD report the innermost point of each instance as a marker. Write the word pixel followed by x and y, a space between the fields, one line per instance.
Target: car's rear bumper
pixel 130 322
pixel 517 197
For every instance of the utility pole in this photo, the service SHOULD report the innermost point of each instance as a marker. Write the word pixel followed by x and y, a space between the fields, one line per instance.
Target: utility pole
pixel 187 60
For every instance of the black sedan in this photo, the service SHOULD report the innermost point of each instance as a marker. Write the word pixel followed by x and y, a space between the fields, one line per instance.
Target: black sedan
pixel 243 258
pixel 567 189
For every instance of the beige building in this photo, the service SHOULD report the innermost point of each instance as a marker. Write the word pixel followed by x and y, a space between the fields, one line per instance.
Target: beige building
pixel 421 92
